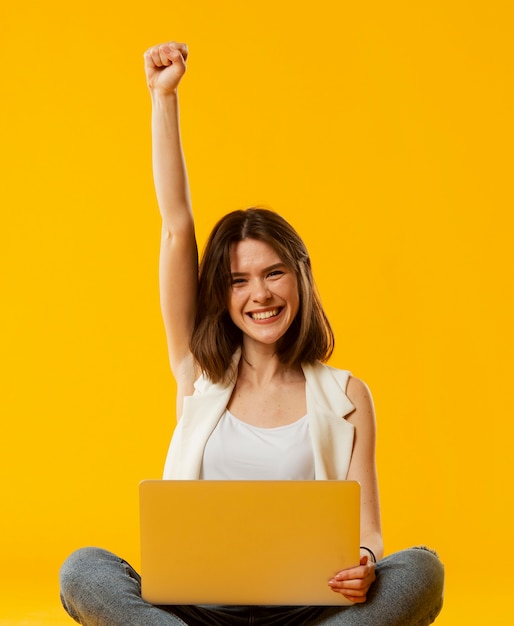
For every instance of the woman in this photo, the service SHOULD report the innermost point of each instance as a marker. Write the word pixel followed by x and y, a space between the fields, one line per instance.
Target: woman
pixel 247 337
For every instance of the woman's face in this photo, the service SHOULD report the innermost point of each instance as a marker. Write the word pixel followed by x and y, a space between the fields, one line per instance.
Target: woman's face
pixel 263 299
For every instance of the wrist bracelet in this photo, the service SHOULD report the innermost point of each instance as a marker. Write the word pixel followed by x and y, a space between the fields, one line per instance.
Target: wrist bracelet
pixel 373 557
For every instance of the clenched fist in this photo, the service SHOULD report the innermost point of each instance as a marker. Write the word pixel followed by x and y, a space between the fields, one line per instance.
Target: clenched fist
pixel 165 65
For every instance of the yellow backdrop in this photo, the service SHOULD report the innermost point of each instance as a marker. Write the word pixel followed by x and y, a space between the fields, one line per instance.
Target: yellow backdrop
pixel 383 131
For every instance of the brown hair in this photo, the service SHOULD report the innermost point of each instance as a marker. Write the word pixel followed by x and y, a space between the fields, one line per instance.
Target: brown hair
pixel 215 337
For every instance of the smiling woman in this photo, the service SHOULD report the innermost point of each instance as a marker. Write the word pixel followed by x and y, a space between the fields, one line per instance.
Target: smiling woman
pixel 252 255
pixel 247 338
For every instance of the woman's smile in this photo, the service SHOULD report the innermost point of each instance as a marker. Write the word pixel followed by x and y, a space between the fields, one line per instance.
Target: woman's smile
pixel 261 316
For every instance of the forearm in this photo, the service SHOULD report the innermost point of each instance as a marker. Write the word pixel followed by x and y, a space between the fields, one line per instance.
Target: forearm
pixel 169 168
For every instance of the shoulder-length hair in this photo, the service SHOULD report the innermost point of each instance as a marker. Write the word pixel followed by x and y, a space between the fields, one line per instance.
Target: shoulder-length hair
pixel 215 337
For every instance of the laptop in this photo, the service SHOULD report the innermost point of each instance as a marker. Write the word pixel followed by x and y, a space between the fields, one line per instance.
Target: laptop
pixel 247 542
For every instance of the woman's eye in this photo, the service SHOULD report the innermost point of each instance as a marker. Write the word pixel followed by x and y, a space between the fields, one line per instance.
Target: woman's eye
pixel 276 273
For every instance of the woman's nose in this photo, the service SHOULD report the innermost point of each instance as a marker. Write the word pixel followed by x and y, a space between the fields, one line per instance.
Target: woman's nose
pixel 260 291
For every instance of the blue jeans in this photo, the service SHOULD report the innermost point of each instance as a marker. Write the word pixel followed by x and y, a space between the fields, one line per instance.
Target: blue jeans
pixel 100 589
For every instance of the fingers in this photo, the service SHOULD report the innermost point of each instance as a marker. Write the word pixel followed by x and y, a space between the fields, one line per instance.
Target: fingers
pixel 364 570
pixel 354 583
pixel 183 49
pixel 167 54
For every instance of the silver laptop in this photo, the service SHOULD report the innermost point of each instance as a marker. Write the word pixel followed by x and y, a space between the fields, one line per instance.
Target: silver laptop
pixel 247 542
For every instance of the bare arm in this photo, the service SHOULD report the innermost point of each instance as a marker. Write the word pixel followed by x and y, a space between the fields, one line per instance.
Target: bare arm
pixel 354 583
pixel 165 65
pixel 363 465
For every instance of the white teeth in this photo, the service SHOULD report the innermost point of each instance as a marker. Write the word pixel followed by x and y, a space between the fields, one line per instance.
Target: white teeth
pixel 265 315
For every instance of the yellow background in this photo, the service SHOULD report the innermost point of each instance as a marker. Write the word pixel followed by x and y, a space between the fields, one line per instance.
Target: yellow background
pixel 383 131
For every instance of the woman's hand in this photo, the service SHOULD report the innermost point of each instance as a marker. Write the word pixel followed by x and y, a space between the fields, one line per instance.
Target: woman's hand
pixel 165 65
pixel 354 583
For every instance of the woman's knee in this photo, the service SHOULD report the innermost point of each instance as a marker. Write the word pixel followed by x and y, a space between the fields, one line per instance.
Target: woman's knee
pixel 429 569
pixel 425 579
pixel 82 564
pixel 415 577
pixel 93 581
pixel 82 572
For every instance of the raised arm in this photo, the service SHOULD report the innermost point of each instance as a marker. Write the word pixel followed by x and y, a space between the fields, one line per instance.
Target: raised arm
pixel 165 65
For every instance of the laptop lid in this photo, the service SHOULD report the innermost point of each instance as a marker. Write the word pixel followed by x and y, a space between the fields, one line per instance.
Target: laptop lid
pixel 247 542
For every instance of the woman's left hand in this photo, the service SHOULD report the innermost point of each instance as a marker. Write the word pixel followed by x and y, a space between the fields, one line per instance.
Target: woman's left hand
pixel 354 583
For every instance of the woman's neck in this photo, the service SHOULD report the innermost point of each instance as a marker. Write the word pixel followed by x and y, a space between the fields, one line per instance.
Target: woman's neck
pixel 261 366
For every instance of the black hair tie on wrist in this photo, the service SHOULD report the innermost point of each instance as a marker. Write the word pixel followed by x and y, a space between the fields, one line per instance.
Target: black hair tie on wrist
pixel 373 557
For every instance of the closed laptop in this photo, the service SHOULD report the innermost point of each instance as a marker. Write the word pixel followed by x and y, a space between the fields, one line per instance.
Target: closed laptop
pixel 247 542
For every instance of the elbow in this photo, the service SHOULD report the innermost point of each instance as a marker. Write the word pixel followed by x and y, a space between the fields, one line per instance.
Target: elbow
pixel 178 230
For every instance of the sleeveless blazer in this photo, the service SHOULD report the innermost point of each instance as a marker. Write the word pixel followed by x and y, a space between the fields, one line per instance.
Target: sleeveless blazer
pixel 327 406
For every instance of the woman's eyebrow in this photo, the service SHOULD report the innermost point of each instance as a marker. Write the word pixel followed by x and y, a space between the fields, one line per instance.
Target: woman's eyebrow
pixel 270 268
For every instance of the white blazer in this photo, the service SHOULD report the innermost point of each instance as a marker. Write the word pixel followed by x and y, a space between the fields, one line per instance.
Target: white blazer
pixel 327 406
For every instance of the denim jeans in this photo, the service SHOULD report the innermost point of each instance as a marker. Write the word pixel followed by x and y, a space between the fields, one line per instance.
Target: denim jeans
pixel 100 589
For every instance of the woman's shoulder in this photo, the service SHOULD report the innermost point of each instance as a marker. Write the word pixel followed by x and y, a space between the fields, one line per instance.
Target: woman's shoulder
pixel 328 373
pixel 330 378
pixel 357 388
pixel 360 396
pixel 354 385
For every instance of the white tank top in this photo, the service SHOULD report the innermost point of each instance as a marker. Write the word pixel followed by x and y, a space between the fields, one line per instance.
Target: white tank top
pixel 238 451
